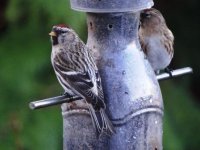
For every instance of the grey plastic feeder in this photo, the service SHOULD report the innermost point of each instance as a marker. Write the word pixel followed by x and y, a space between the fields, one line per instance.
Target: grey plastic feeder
pixel 133 97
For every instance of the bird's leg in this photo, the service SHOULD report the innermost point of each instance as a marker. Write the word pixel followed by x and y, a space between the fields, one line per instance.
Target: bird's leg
pixel 157 72
pixel 70 97
pixel 169 71
pixel 71 103
pixel 67 94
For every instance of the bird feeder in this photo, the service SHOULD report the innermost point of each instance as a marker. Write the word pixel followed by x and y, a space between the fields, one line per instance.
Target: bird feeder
pixel 132 94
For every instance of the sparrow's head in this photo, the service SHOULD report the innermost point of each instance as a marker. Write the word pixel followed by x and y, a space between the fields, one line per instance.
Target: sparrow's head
pixel 151 18
pixel 61 34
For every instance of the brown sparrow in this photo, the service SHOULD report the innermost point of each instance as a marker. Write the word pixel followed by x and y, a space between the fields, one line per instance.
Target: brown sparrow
pixel 78 74
pixel 156 39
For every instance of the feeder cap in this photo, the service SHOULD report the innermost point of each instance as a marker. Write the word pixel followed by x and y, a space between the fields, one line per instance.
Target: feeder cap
pixel 109 6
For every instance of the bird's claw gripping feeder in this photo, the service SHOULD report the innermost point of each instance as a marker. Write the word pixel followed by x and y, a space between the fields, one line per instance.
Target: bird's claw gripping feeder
pixel 132 93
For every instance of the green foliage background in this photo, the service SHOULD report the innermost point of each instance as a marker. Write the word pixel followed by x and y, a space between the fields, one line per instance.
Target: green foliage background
pixel 26 74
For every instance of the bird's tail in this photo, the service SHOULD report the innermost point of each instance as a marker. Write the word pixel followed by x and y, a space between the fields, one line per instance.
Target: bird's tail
pixel 101 122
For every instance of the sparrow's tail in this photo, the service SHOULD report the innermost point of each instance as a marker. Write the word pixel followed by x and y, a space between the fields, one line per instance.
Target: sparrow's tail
pixel 101 122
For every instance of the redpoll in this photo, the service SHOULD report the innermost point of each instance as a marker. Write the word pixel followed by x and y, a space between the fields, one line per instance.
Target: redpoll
pixel 77 73
pixel 156 39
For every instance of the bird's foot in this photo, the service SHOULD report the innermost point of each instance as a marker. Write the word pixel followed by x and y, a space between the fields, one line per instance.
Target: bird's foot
pixel 67 94
pixel 71 103
pixel 169 71
pixel 157 72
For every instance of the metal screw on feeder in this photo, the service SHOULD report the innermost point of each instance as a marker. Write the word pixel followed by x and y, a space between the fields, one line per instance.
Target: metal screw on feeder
pixel 133 97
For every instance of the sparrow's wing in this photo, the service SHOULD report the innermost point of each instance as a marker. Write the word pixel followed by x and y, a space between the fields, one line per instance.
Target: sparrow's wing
pixel 168 41
pixel 99 85
pixel 97 75
pixel 143 44
pixel 80 82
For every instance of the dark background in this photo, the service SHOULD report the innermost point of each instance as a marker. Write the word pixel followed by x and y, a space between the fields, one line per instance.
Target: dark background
pixel 26 73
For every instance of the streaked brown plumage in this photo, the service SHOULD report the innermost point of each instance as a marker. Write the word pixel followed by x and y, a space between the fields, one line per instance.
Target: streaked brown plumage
pixel 78 74
pixel 156 39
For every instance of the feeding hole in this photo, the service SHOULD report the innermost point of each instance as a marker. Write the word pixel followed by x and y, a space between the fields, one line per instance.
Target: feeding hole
pixel 110 26
pixel 91 25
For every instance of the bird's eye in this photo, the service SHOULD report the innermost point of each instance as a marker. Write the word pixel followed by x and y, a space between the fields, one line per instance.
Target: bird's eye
pixel 145 15
pixel 63 32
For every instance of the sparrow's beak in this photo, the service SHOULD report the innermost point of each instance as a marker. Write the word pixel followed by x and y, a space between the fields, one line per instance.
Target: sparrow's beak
pixel 52 33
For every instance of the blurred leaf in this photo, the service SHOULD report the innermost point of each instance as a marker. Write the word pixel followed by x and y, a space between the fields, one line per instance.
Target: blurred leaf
pixel 182 116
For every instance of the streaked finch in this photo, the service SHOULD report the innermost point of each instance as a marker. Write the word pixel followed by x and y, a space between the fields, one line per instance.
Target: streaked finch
pixel 77 73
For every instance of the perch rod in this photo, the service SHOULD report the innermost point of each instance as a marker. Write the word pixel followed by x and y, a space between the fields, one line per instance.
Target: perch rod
pixel 65 99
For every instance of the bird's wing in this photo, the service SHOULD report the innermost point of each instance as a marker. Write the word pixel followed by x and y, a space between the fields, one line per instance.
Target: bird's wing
pixel 99 85
pixel 143 43
pixel 80 82
pixel 97 75
pixel 168 41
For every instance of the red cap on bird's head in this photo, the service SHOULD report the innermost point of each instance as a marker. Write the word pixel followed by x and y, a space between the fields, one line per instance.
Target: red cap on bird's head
pixel 62 26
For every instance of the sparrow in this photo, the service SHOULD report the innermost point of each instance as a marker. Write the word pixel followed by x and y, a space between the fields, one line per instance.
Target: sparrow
pixel 156 39
pixel 78 74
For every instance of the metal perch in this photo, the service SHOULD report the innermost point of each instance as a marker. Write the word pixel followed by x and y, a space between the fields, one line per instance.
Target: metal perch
pixel 65 99
pixel 52 101
pixel 175 73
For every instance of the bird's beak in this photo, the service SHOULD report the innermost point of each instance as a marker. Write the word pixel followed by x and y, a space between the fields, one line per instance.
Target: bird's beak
pixel 52 33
